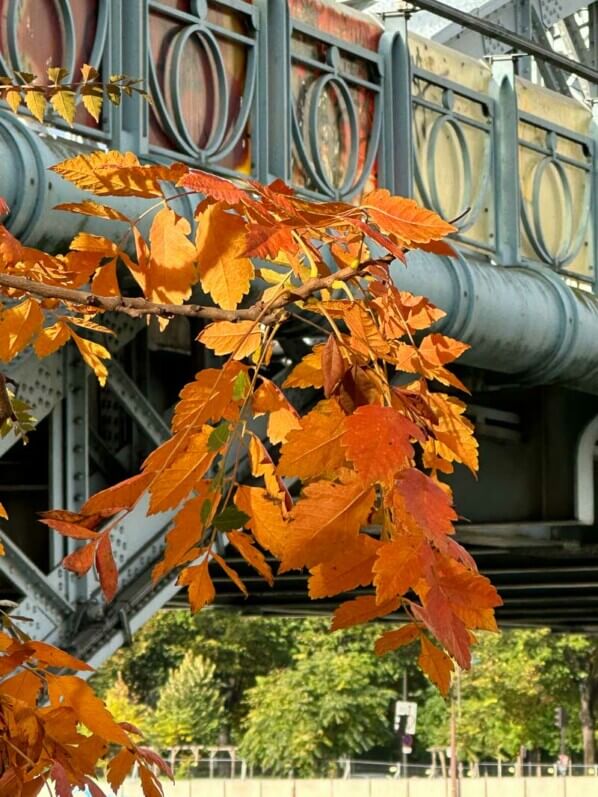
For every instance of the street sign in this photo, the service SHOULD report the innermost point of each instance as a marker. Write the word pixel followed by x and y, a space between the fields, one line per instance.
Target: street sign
pixel 404 708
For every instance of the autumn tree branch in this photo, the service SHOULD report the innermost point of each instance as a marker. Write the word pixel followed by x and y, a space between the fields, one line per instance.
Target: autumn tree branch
pixel 139 307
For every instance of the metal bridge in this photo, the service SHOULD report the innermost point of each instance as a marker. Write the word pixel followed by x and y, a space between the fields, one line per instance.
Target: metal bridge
pixel 334 100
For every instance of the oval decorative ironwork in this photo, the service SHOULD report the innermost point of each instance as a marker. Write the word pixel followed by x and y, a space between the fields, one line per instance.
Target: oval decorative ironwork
pixel 573 234
pixel 473 195
pixel 35 36
pixel 225 126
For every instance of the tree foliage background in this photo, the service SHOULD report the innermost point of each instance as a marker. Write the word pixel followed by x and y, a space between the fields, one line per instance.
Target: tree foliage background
pixel 300 698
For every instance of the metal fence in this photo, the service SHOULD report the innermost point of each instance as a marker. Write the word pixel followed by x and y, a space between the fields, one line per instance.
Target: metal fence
pixel 332 102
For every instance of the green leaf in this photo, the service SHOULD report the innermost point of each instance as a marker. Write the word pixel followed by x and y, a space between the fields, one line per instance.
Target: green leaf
pixel 230 519
pixel 219 436
pixel 241 386
pixel 206 508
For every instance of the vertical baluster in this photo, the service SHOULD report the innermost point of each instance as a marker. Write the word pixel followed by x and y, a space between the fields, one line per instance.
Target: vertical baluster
pixel 129 54
pixel 594 198
pixel 274 90
pixel 396 161
pixel 506 153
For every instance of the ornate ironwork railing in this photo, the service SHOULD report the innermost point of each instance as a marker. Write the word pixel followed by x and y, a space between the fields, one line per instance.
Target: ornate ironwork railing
pixel 327 99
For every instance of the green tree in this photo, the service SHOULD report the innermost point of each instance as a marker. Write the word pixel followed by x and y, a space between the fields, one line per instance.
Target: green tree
pixel 121 704
pixel 191 708
pixel 328 705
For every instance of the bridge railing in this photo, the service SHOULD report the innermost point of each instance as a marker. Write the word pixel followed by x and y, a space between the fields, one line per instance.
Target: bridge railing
pixel 327 99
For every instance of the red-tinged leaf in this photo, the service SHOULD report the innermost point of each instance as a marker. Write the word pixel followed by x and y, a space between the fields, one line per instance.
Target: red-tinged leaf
pixel 327 518
pixel 391 640
pixel 201 588
pixel 152 757
pixel 398 567
pixel 61 780
pixel 232 574
pixel 149 783
pixel 81 560
pixel 442 248
pixel 378 442
pixel 4 208
pixel 54 657
pixel 70 529
pixel 349 569
pixel 449 629
pixel 334 366
pixel 94 788
pixel 89 522
pixel 267 241
pixel 106 567
pixel 119 767
pixel 362 610
pixel 244 545
pixel 130 728
pixel 426 502
pixel 217 188
pixel 436 664
pixel 315 449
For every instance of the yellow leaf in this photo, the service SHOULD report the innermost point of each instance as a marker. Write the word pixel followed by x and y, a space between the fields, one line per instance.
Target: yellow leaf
pixel 13 98
pixel 201 588
pixel 224 273
pixel 93 354
pixel 92 98
pixel 63 102
pixel 117 174
pixel 36 102
pixel 239 338
pixel 18 325
pixel 87 242
pixel 172 259
pixel 51 339
pixel 308 373
pixel 436 664
pixel 315 448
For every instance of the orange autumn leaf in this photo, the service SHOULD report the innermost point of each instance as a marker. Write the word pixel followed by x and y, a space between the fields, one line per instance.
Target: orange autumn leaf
pixel 398 567
pixel 172 259
pixel 377 440
pixel 223 270
pixel 315 448
pixel 94 355
pixel 119 767
pixel 238 338
pixel 231 573
pixel 123 495
pixel 404 218
pixel 197 579
pixel 186 532
pixel 262 466
pixel 426 502
pixel 391 640
pixel 309 372
pixel 18 325
pixel 349 569
pixel 51 338
pixel 244 545
pixel 326 517
pixel 362 610
pixel 265 518
pixel 436 664
pixel 282 417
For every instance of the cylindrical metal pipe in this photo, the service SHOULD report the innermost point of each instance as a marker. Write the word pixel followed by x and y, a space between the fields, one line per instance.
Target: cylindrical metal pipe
pixel 522 321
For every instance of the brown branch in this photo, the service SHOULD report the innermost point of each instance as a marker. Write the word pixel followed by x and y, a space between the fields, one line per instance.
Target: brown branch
pixel 139 307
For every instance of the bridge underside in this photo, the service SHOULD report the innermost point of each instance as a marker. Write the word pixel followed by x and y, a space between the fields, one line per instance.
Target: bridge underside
pixel 328 100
